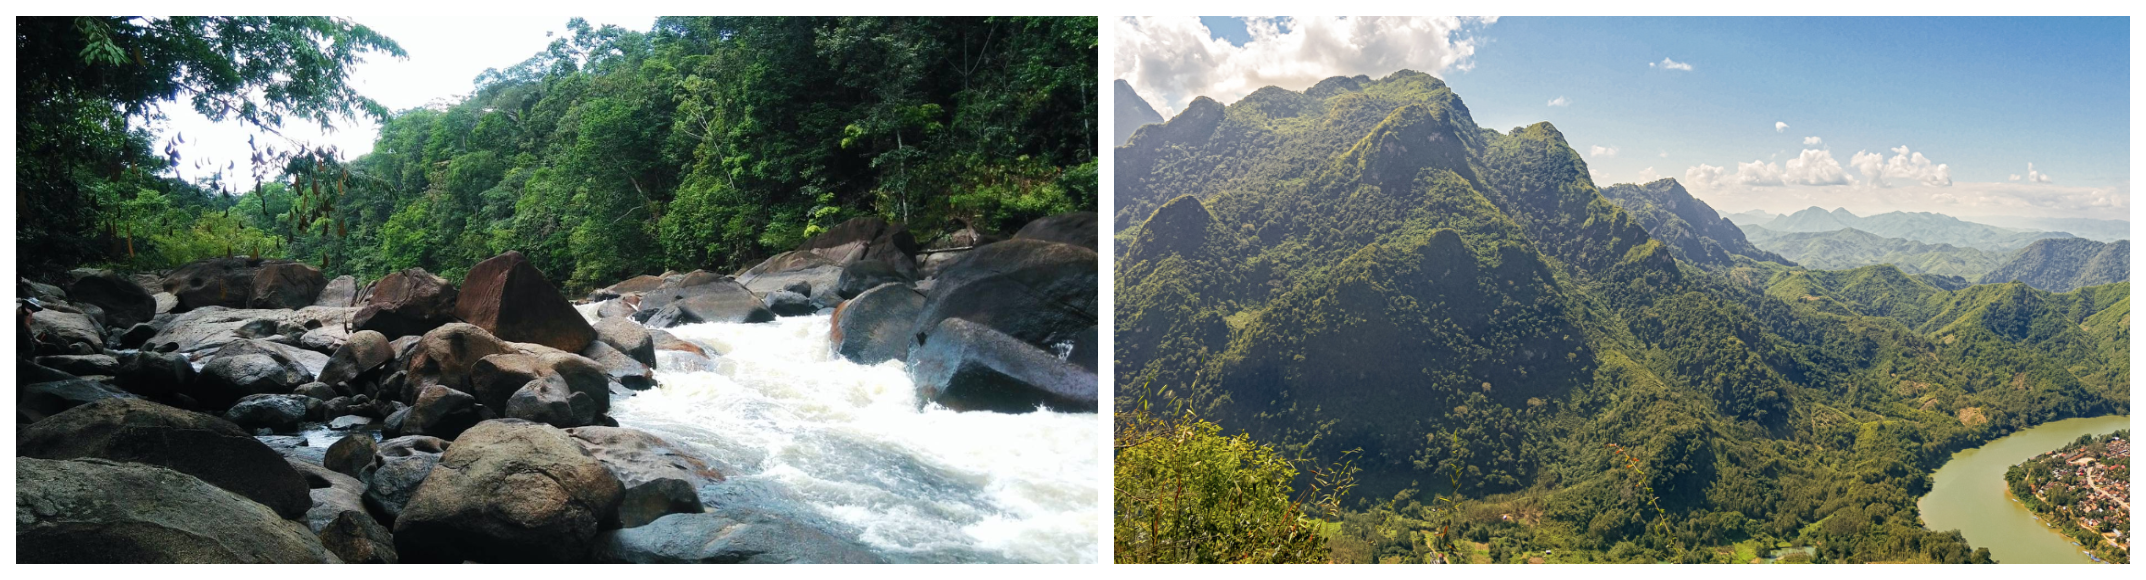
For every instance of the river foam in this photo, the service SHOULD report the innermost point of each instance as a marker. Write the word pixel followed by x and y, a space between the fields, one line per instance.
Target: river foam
pixel 810 436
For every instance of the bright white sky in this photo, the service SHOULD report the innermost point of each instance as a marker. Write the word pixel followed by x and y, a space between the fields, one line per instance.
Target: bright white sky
pixel 445 56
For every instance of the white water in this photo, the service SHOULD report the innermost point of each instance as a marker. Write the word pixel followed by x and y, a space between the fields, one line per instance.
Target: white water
pixel 808 435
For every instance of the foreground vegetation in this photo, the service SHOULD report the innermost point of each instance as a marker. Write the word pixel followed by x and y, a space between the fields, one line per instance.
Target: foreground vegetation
pixel 707 142
pixel 1520 367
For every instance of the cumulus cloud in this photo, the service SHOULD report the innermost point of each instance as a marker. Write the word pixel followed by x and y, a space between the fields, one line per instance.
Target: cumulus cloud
pixel 1904 164
pixel 1667 64
pixel 1705 176
pixel 1648 175
pixel 1779 126
pixel 2035 176
pixel 1814 167
pixel 1173 60
pixel 1600 151
pixel 1758 174
pixel 1560 102
pixel 1812 141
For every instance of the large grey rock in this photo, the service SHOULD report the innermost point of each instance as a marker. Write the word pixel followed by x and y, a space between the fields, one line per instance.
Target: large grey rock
pixel 364 352
pixel 154 374
pixel 277 413
pixel 875 326
pixel 970 367
pixel 36 401
pixel 208 329
pixel 509 491
pixel 98 511
pixel 339 519
pixel 440 412
pixel 865 275
pixel 496 378
pixel 56 327
pixel 622 369
pixel 729 538
pixel 404 464
pixel 638 457
pixel 199 445
pixel 1077 228
pixel 124 303
pixel 628 337
pixel 549 400
pixel 244 283
pixel 247 367
pixel 1038 292
pixel 341 291
pixel 712 301
pixel 88 365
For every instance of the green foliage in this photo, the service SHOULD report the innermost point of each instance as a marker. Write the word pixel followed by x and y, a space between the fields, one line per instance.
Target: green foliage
pixel 1187 494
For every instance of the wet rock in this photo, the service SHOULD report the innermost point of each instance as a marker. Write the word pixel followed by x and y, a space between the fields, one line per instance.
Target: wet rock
pixel 389 489
pixel 211 328
pixel 787 303
pixel 98 511
pixel 355 455
pixel 135 336
pixel 714 302
pixel 628 337
pixel 622 369
pixel 729 538
pixel 875 326
pixel 199 445
pixel 970 367
pixel 549 400
pixel 637 457
pixel 508 297
pixel 154 374
pixel 364 352
pixel 339 519
pixel 865 275
pixel 405 303
pixel 82 365
pixel 1029 289
pixel 614 309
pixel 561 498
pixel 36 401
pixel 63 329
pixel 124 303
pixel 643 503
pixel 666 341
pixel 439 412
pixel 276 413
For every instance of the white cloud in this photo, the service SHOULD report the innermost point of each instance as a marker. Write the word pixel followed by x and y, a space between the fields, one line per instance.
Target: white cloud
pixel 1670 65
pixel 1665 154
pixel 1904 164
pixel 2015 177
pixel 1560 102
pixel 1960 199
pixel 1758 174
pixel 1812 141
pixel 1648 175
pixel 1600 151
pixel 1814 167
pixel 1173 60
pixel 1705 176
pixel 1779 126
pixel 2035 176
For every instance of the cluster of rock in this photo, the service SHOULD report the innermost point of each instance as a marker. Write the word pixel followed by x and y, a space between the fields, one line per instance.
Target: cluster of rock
pixel 153 413
pixel 980 322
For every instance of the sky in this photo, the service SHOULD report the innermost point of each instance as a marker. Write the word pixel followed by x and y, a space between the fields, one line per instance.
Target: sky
pixel 445 57
pixel 2024 117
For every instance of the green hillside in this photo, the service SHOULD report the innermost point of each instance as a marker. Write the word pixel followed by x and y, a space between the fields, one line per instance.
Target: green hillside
pixel 1360 271
pixel 1691 228
pixel 1852 248
pixel 1131 114
pixel 2060 265
pixel 1925 227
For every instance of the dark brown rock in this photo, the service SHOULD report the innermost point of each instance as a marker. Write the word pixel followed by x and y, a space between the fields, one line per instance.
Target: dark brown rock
pixel 507 296
pixel 509 491
pixel 405 303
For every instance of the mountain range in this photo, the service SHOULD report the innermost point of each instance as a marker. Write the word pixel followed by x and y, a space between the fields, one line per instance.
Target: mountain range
pixel 1850 248
pixel 1359 271
pixel 1130 113
pixel 2062 265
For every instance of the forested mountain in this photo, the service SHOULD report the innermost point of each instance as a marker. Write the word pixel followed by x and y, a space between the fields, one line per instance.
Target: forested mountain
pixel 1690 227
pixel 707 142
pixel 1852 248
pixel 1131 112
pixel 1359 271
pixel 1925 227
pixel 2061 265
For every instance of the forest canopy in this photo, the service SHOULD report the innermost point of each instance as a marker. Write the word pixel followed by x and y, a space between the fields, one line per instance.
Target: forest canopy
pixel 706 142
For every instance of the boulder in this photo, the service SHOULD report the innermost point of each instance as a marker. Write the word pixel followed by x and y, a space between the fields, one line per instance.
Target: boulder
pixel 446 354
pixel 318 391
pixel 622 369
pixel 314 363
pixel 36 401
pixel 1077 228
pixel 721 301
pixel 496 378
pixel 124 303
pixel 440 412
pixel 341 291
pixel 613 309
pixel 135 336
pixel 791 261
pixel 874 326
pixel 547 399
pixel 628 337
pixel 787 303
pixel 339 519
pixel 866 238
pixel 208 329
pixel 1032 290
pixel 98 511
pixel 354 455
pixel 404 463
pixel 636 285
pixel 640 504
pixel 363 353
pixel 405 303
pixel 165 301
pixel 276 413
pixel 966 366
pixel 288 285
pixel 637 457
pixel 507 296
pixel 729 538
pixel 863 275
pixel 228 378
pixel 63 329
pixel 509 491
pixel 82 365
pixel 812 282
pixel 202 446
pixel 666 341
pixel 154 374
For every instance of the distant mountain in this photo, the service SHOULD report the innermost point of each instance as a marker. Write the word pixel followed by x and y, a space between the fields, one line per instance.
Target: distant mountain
pixel 2093 229
pixel 1853 248
pixel 2062 265
pixel 1692 230
pixel 1925 227
pixel 1753 217
pixel 1130 112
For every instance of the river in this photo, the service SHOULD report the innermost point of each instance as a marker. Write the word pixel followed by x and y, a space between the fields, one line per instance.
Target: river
pixel 1969 494
pixel 805 433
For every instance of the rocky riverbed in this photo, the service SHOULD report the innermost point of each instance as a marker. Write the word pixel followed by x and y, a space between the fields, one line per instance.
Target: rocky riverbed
pixel 247 410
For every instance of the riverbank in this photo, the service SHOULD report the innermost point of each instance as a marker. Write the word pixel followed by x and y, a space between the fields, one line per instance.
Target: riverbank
pixel 1968 494
pixel 2083 492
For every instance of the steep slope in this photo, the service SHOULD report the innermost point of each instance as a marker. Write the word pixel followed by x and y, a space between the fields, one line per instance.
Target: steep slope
pixel 1360 271
pixel 1691 228
pixel 2060 265
pixel 1129 112
pixel 1853 248
pixel 1925 227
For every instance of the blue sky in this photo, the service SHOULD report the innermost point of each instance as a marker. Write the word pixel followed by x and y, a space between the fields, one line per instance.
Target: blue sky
pixel 1982 97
